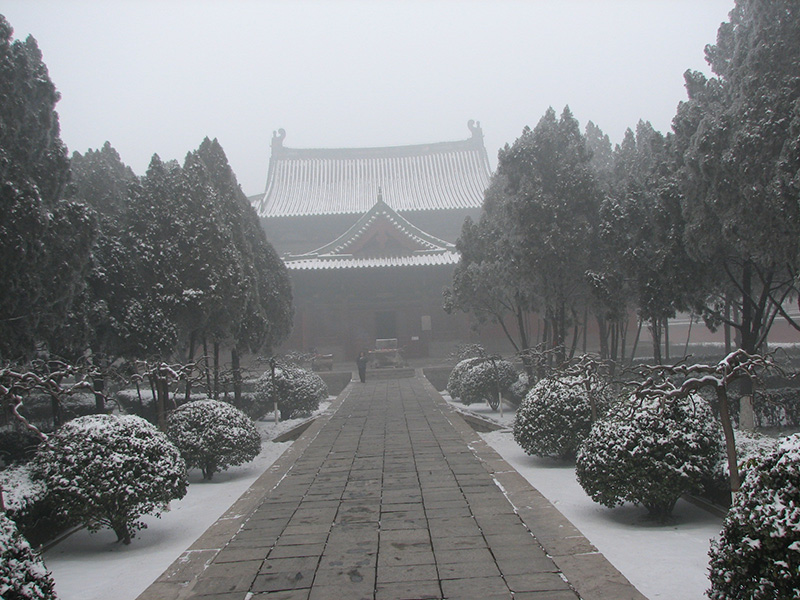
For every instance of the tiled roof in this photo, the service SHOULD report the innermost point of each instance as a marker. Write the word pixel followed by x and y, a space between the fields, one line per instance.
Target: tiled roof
pixel 318 263
pixel 380 238
pixel 444 175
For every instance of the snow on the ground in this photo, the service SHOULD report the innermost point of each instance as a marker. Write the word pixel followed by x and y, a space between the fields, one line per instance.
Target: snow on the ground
pixel 94 567
pixel 666 562
pixel 663 561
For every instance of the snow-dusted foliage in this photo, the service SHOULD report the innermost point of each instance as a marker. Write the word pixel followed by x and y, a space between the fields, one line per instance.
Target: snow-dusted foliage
pixel 23 575
pixel 519 389
pixel 556 416
pixel 213 436
pixel 751 449
pixel 107 471
pixel 777 407
pixel 457 375
pixel 650 452
pixel 21 492
pixel 758 553
pixel 299 391
pixel 481 381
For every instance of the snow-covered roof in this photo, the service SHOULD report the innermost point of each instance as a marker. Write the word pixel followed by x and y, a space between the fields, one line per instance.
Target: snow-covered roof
pixel 380 238
pixel 326 181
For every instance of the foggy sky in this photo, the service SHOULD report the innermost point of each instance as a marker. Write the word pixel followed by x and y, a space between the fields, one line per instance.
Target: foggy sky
pixel 155 76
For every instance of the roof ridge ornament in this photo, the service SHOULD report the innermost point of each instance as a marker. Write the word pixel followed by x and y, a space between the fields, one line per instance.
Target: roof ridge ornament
pixel 277 138
pixel 475 128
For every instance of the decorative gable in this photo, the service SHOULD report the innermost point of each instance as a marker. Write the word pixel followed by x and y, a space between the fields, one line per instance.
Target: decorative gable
pixel 380 238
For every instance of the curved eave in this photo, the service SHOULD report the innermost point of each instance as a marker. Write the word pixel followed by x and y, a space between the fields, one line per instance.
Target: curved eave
pixel 325 263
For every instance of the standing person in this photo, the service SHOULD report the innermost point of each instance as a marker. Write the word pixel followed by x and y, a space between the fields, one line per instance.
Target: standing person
pixel 361 362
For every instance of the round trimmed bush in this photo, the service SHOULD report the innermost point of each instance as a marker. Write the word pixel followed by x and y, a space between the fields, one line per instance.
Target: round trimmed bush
pixel 758 553
pixel 299 391
pixel 107 471
pixel 479 382
pixel 650 453
pixel 556 416
pixel 457 375
pixel 213 436
pixel 23 575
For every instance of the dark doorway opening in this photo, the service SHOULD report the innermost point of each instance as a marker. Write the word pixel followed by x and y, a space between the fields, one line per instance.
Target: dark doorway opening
pixel 385 325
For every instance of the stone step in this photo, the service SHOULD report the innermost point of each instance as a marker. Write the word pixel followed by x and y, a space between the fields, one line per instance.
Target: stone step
pixel 389 373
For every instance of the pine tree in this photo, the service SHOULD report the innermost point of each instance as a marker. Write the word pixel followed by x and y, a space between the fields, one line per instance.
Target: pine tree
pixel 647 227
pixel 550 217
pixel 104 183
pixel 738 147
pixel 44 240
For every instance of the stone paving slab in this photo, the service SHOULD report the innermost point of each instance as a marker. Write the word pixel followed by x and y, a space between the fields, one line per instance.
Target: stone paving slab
pixel 391 495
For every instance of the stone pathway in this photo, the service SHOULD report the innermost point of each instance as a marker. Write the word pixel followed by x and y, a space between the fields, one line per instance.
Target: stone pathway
pixel 391 496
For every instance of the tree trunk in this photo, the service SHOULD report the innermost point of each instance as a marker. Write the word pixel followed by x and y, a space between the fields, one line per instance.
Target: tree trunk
pixel 666 338
pixel 192 342
pixel 522 328
pixel 749 327
pixel 688 337
pixel 655 330
pixel 237 377
pixel 727 326
pixel 207 366
pixel 603 334
pixel 560 337
pixel 636 339
pixel 123 533
pixel 162 398
pixel 216 370
pixel 55 405
pixel 614 330
pixel 730 440
pixel 575 335
pixel 585 327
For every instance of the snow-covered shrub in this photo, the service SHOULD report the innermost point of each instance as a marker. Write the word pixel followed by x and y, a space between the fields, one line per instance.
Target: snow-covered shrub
pixel 481 380
pixel 556 416
pixel 650 453
pixel 457 375
pixel 519 389
pixel 777 407
pixel 20 490
pixel 758 553
pixel 213 436
pixel 107 471
pixel 299 391
pixel 751 448
pixel 24 498
pixel 23 575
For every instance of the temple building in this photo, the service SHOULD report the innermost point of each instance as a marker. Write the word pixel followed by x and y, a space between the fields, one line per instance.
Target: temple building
pixel 368 236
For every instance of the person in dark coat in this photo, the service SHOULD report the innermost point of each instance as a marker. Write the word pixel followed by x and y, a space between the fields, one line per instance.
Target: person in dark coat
pixel 361 362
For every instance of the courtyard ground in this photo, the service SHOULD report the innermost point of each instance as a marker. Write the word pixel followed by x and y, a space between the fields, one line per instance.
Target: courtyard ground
pixel 662 561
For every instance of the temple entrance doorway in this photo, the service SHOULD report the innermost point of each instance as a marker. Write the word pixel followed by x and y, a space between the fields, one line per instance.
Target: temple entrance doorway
pixel 385 324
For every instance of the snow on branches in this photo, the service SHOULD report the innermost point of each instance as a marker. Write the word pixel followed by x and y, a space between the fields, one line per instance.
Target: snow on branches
pixel 213 436
pixel 758 552
pixel 23 574
pixel 107 471
pixel 666 383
